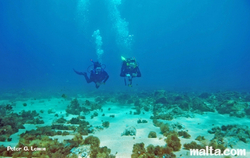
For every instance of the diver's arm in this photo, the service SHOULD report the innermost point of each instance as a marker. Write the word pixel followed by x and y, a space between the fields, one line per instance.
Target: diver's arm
pixel 106 76
pixel 122 74
pixel 138 72
pixel 87 79
pixel 91 77
pixel 97 85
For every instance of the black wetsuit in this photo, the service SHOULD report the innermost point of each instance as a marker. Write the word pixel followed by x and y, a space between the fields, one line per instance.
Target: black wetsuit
pixel 133 72
pixel 98 79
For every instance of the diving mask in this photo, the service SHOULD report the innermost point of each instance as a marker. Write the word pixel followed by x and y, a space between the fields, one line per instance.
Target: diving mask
pixel 132 65
pixel 98 70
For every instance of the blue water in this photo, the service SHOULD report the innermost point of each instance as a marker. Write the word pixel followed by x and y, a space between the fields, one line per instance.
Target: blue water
pixel 180 45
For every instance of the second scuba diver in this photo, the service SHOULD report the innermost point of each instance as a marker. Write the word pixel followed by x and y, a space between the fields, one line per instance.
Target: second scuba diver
pixel 130 70
pixel 97 75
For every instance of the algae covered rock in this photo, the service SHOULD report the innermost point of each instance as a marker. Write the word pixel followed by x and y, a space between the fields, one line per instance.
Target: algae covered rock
pixel 159 93
pixel 200 105
pixel 193 145
pixel 97 151
pixel 61 120
pixel 81 151
pixel 239 114
pixel 74 107
pixel 232 107
pixel 138 149
pixel 232 132
pixel 204 95
pixel 123 98
pixel 142 121
pixel 174 142
pixel 152 134
pixel 200 138
pixel 12 122
pixel 184 134
pixel 151 151
pixel 92 140
pixel 161 100
pixel 105 124
pixel 129 131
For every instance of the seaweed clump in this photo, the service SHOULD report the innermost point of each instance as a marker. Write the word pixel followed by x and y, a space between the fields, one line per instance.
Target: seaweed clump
pixel 213 144
pixel 82 128
pixel 123 98
pixel 199 105
pixel 233 107
pixel 61 120
pixel 165 116
pixel 129 131
pixel 151 151
pixel 200 138
pixel 174 142
pixel 240 132
pixel 105 124
pixel 5 109
pixel 74 107
pixel 204 95
pixel 53 148
pixel 166 129
pixel 97 151
pixel 47 146
pixel 152 134
pixel 184 134
pixel 76 120
pixel 28 115
pixel 193 145
pixel 142 121
pixel 46 131
pixel 11 123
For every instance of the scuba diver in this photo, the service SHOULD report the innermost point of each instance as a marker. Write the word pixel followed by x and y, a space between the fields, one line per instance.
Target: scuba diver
pixel 97 74
pixel 130 70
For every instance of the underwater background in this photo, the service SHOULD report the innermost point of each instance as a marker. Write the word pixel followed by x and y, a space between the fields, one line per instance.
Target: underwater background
pixel 186 45
pixel 194 91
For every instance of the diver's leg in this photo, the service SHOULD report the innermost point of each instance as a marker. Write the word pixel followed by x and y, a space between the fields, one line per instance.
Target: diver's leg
pixel 87 78
pixel 130 82
pixel 97 85
pixel 125 81
pixel 84 74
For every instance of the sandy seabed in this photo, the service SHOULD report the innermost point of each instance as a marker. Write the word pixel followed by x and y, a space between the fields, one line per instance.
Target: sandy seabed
pixel 122 146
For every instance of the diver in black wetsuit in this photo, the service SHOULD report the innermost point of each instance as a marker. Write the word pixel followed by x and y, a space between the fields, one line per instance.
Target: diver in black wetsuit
pixel 97 75
pixel 130 70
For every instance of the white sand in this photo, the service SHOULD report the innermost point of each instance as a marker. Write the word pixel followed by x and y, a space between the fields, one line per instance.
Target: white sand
pixel 122 146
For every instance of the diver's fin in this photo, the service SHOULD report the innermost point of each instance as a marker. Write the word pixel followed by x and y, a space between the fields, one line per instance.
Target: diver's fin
pixel 80 73
pixel 123 59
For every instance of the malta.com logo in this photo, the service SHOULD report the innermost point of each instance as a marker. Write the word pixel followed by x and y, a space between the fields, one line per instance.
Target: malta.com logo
pixel 209 151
